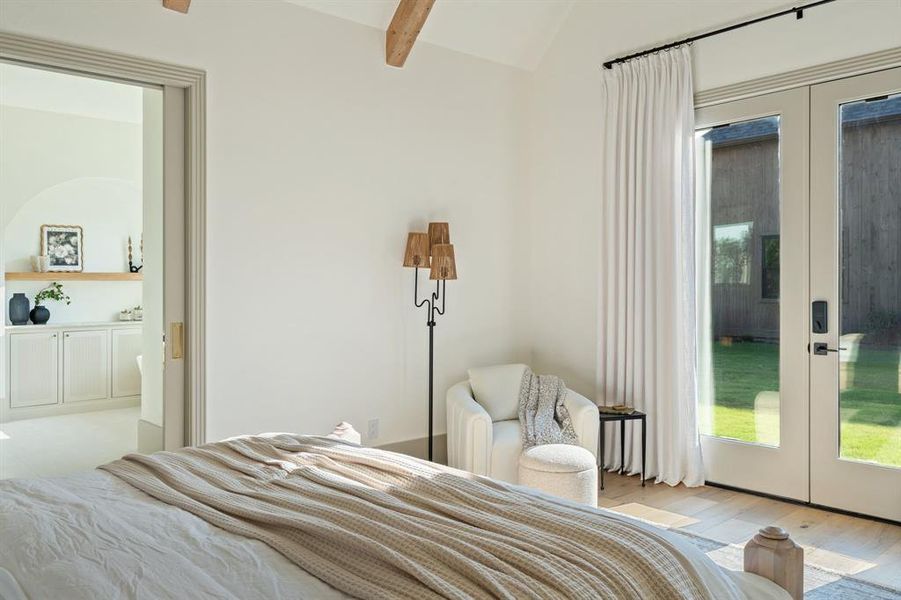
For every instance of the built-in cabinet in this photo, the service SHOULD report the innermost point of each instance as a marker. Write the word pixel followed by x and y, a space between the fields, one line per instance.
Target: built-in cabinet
pixel 86 365
pixel 61 369
pixel 33 368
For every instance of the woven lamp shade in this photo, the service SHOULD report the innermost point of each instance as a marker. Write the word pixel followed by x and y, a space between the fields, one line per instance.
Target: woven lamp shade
pixel 417 253
pixel 439 233
pixel 444 265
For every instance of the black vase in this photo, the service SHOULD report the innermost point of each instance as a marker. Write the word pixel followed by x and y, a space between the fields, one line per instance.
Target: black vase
pixel 40 315
pixel 18 309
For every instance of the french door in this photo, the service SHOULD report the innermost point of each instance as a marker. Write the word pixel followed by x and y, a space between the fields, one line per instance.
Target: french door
pixel 799 196
pixel 752 179
pixel 855 272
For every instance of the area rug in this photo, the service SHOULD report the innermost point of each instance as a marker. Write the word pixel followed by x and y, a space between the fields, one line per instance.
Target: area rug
pixel 819 584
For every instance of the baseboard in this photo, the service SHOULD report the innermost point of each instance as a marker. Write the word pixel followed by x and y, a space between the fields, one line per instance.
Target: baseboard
pixel 65 408
pixel 419 448
pixel 150 437
pixel 802 503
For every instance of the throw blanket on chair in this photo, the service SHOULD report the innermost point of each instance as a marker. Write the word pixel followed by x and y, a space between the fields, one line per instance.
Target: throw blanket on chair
pixel 376 524
pixel 542 415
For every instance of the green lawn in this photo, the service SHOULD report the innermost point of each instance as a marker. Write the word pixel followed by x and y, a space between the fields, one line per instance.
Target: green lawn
pixel 870 407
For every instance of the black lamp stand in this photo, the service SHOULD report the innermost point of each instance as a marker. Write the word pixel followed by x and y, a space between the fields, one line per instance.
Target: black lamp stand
pixel 431 302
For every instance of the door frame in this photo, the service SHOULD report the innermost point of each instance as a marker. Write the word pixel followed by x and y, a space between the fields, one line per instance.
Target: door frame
pixel 839 69
pixel 107 64
pixel 806 77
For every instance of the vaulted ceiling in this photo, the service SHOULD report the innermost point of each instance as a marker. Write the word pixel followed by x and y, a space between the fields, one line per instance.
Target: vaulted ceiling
pixel 512 32
pixel 516 32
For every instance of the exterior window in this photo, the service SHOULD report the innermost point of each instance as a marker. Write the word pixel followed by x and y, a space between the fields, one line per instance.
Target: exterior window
pixel 732 253
pixel 769 267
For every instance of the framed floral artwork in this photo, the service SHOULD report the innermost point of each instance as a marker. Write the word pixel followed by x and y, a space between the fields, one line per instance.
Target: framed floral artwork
pixel 63 245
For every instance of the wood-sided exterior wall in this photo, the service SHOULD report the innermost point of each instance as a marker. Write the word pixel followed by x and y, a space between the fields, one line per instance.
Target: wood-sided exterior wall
pixel 744 189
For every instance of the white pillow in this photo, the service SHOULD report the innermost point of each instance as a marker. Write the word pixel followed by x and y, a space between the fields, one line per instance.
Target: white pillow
pixel 496 389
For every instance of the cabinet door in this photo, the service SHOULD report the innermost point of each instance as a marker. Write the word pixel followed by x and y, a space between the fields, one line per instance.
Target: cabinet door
pixel 126 349
pixel 85 365
pixel 33 369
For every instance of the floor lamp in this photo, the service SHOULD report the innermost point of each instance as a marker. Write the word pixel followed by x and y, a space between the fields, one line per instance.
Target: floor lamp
pixel 432 251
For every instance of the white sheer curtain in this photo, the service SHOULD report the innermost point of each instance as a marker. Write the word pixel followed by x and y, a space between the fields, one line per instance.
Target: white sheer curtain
pixel 647 299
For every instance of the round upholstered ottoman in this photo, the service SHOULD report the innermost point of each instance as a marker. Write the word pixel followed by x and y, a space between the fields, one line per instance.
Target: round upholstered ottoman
pixel 561 470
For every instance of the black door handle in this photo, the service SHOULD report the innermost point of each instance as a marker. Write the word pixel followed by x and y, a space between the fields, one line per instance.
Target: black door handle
pixel 821 349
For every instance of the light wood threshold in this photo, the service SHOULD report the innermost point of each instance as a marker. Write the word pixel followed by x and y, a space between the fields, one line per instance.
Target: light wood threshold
pixel 69 276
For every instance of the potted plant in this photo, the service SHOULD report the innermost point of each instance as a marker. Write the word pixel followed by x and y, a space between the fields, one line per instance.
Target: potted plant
pixel 40 314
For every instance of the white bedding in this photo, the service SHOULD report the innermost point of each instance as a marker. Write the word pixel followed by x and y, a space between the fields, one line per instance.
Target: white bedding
pixel 93 536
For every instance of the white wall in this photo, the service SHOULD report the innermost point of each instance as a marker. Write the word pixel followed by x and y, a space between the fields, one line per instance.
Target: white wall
pixel 565 116
pixel 320 159
pixel 58 168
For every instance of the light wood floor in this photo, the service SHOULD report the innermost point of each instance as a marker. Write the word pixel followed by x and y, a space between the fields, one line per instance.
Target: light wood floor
pixel 868 550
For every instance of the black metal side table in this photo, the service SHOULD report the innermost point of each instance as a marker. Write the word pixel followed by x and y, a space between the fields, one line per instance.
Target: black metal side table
pixel 622 418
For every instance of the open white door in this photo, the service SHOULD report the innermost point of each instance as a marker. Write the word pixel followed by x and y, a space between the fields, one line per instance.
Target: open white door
pixel 162 424
pixel 174 260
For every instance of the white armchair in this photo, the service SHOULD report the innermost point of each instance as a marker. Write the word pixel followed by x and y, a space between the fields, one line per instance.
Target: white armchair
pixel 483 433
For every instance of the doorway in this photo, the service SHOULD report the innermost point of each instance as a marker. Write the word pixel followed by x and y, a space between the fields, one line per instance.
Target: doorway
pixel 799 192
pixel 94 227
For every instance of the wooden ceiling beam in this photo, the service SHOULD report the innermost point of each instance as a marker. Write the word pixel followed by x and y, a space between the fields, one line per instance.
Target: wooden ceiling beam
pixel 177 5
pixel 408 20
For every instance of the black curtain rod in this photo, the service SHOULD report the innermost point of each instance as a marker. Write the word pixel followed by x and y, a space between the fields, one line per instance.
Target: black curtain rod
pixel 798 12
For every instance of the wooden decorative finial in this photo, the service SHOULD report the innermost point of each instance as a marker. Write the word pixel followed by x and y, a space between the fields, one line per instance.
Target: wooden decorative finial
pixel 773 555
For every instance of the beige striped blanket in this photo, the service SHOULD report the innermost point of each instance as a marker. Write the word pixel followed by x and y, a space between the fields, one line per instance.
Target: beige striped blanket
pixel 376 524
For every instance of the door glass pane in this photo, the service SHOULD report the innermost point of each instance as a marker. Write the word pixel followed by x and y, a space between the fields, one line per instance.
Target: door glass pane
pixel 741 182
pixel 870 362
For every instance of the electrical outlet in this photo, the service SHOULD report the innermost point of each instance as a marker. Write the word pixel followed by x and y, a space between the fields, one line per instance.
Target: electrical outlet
pixel 373 431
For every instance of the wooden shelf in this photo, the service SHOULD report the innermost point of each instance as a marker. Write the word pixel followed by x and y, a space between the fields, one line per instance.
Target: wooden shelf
pixel 74 276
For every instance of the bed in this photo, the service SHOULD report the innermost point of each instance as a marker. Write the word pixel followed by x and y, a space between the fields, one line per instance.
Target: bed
pixel 97 535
